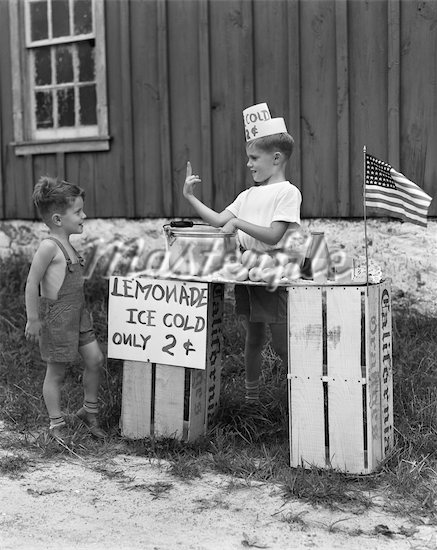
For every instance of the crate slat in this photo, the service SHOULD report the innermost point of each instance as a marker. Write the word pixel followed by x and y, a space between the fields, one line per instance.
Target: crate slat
pixel 386 367
pixel 343 331
pixel 135 407
pixel 374 425
pixel 305 329
pixel 197 409
pixel 214 351
pixel 346 426
pixel 305 374
pixel 344 378
pixel 169 401
pixel 307 422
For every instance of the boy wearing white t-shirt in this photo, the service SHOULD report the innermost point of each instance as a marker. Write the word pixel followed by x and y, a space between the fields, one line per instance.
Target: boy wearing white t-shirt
pixel 261 216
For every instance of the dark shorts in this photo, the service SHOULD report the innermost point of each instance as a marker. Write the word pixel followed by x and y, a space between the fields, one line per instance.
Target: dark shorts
pixel 65 327
pixel 261 305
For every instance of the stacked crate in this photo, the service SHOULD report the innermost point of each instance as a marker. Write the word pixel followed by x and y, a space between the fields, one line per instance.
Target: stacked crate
pixel 340 376
pixel 171 401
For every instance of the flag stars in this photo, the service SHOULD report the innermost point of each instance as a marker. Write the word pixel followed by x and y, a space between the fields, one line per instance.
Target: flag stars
pixel 378 173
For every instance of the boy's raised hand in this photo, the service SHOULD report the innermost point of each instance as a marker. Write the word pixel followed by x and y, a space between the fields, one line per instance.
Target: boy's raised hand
pixel 190 181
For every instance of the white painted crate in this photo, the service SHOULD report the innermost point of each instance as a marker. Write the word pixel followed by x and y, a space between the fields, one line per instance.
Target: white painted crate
pixel 171 401
pixel 340 376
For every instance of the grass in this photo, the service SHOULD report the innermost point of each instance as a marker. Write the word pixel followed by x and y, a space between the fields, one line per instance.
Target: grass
pixel 14 465
pixel 250 446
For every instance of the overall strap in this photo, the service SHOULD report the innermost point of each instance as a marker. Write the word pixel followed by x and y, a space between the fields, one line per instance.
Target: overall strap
pixel 79 257
pixel 62 247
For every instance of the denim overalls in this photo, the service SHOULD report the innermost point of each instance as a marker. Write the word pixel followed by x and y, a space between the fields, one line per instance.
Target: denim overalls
pixel 66 324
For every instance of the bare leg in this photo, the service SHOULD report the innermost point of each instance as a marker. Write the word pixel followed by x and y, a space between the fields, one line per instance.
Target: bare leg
pixel 54 379
pixel 254 343
pixel 280 341
pixel 93 362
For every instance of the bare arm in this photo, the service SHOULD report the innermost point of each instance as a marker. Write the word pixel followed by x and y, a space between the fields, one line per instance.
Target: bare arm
pixel 216 219
pixel 42 259
pixel 269 235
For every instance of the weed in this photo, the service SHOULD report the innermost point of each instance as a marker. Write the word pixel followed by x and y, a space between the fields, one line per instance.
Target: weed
pixel 329 488
pixel 252 542
pixel 185 467
pixel 295 519
pixel 13 465
pixel 157 490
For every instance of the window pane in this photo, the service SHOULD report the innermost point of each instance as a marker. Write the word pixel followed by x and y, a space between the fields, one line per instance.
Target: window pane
pixel 88 105
pixel 44 110
pixel 64 64
pixel 83 22
pixel 66 107
pixel 43 66
pixel 60 18
pixel 38 21
pixel 86 61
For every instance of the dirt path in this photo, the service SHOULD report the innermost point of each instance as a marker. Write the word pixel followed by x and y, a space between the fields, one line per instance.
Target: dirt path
pixel 132 503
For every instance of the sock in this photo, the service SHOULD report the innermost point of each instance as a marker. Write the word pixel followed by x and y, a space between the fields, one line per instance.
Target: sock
pixel 57 421
pixel 91 407
pixel 252 390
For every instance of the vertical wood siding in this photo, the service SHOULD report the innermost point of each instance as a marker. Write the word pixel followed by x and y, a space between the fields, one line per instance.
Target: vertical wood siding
pixel 418 93
pixel 343 74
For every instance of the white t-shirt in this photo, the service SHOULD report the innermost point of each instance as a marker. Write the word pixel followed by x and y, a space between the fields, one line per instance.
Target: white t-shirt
pixel 264 204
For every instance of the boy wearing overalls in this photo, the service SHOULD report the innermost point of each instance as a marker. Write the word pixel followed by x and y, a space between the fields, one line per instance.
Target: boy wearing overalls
pixel 56 315
pixel 260 216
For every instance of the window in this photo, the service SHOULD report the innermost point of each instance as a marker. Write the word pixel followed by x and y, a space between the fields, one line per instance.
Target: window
pixel 59 75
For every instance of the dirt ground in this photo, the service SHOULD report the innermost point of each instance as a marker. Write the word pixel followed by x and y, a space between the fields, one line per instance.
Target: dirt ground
pixel 132 503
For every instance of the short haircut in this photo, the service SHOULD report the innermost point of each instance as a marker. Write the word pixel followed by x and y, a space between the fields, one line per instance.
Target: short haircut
pixel 53 195
pixel 283 143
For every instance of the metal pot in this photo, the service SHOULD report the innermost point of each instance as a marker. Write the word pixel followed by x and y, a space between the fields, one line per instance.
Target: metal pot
pixel 198 249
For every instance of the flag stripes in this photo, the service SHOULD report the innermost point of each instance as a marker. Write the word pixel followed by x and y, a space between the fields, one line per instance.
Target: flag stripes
pixel 397 199
pixel 393 194
pixel 397 212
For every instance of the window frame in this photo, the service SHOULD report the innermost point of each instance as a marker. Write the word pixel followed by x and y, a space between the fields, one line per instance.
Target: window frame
pixel 25 143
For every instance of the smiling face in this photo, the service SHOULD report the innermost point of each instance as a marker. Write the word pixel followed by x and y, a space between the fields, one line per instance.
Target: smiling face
pixel 262 164
pixel 73 217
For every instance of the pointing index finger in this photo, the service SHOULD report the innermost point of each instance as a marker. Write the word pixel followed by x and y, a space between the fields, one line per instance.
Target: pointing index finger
pixel 189 169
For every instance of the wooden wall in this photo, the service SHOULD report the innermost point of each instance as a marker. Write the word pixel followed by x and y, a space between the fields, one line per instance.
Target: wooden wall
pixel 343 73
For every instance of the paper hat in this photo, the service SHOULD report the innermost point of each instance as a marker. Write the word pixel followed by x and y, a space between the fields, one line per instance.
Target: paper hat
pixel 259 123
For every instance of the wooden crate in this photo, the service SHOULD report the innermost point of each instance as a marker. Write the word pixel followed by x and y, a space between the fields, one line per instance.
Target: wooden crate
pixel 170 401
pixel 340 376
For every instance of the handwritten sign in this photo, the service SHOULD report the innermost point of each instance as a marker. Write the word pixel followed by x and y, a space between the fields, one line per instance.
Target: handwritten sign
pixel 158 321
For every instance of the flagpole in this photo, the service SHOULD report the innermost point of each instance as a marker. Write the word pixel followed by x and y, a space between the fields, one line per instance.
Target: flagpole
pixel 365 220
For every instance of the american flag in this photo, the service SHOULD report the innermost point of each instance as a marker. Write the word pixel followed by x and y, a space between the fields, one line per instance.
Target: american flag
pixel 393 194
